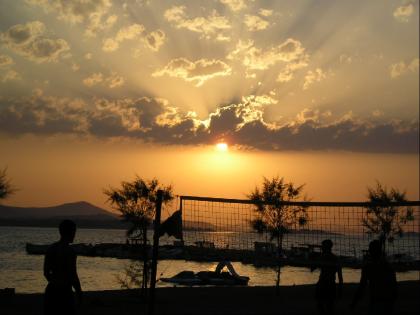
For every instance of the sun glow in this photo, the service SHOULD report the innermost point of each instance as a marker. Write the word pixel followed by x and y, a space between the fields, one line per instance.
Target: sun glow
pixel 222 147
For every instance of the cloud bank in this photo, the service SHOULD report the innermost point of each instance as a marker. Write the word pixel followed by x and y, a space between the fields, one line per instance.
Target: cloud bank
pixel 243 124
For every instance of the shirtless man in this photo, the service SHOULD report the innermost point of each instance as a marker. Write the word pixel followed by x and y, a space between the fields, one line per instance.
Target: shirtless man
pixel 61 274
pixel 380 277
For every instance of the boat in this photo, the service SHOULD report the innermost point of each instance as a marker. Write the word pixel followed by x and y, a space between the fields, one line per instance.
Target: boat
pixel 191 278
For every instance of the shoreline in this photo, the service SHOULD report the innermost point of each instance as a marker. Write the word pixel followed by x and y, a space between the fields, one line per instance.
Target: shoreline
pixel 212 254
pixel 297 299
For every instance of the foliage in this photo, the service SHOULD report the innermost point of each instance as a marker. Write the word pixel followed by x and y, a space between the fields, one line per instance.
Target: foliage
pixel 274 216
pixel 6 189
pixel 382 217
pixel 133 275
pixel 136 201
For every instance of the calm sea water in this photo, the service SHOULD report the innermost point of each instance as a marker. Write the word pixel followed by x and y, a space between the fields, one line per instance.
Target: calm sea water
pixel 24 272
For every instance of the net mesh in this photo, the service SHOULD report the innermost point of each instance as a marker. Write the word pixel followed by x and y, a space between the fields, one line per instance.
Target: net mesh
pixel 227 224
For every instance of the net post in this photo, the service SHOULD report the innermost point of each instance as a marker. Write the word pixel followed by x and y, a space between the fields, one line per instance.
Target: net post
pixel 156 225
pixel 181 199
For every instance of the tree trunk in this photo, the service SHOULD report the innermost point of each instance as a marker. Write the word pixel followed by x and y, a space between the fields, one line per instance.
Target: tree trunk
pixel 145 264
pixel 382 239
pixel 279 248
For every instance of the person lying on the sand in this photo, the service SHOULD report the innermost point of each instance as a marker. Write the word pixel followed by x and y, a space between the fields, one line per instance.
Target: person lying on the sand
pixel 225 263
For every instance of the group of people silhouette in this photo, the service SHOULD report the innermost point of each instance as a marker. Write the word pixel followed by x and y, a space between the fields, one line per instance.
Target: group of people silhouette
pixel 377 274
pixel 61 273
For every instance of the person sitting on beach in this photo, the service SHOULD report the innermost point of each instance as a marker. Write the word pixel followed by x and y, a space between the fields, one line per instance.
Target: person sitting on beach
pixel 326 290
pixel 61 273
pixel 379 275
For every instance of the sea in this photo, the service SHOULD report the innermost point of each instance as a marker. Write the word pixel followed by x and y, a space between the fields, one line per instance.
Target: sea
pixel 24 272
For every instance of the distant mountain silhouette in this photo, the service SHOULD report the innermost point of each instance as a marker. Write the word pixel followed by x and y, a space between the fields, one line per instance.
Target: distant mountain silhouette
pixel 83 213
pixel 81 208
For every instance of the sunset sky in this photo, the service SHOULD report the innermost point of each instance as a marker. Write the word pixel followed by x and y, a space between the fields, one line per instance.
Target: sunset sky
pixel 93 92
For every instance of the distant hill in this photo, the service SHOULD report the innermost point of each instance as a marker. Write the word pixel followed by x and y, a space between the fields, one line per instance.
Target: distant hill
pixel 83 213
pixel 81 208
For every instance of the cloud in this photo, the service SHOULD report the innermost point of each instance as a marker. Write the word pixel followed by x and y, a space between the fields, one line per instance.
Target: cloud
pixel 400 68
pixel 110 45
pixel 234 5
pixel 28 41
pixel 125 33
pixel 198 71
pixel 93 79
pixel 7 74
pixel 5 60
pixel 209 27
pixel 43 115
pixel 290 51
pixel 241 124
pixel 129 32
pixel 97 24
pixel 112 81
pixel 155 40
pixel 313 76
pixel 75 67
pixel 255 23
pixel 10 75
pixel 287 73
pixel 265 12
pixel 88 56
pixel 403 13
pixel 91 12
pixel 115 80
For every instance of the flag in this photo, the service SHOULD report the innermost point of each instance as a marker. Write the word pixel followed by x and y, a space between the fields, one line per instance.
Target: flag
pixel 172 225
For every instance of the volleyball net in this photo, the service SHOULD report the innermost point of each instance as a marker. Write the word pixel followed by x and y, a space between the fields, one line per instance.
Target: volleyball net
pixel 226 224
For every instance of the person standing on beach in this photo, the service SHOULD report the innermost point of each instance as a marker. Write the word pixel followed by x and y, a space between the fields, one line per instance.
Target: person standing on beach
pixel 61 273
pixel 379 275
pixel 326 289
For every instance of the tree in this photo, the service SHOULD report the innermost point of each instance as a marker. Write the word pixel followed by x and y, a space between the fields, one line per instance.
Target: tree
pixel 383 218
pixel 136 202
pixel 6 189
pixel 273 215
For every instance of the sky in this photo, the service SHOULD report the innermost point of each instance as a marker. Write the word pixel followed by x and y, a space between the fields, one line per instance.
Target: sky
pixel 95 91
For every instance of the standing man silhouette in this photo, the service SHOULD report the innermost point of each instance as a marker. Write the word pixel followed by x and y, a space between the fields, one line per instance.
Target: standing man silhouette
pixel 61 273
pixel 382 281
pixel 326 288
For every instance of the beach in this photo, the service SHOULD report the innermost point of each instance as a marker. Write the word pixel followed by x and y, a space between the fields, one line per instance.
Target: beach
pixel 213 300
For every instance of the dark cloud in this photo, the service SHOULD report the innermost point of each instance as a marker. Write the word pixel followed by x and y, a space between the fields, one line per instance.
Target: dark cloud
pixel 27 40
pixel 242 124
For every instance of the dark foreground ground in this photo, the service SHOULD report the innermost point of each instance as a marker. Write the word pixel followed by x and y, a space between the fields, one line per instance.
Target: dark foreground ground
pixel 213 300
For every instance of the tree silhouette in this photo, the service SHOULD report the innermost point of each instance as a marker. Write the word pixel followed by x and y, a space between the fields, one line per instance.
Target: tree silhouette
pixel 136 202
pixel 384 219
pixel 273 215
pixel 6 189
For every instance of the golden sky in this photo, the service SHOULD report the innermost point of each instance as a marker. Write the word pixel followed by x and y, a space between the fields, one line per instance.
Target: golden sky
pixel 264 76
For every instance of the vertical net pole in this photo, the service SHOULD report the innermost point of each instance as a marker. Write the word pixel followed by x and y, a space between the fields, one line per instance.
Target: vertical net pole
pixel 155 252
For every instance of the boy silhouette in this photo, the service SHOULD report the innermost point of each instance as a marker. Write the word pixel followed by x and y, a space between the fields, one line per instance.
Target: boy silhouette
pixel 61 274
pixel 326 288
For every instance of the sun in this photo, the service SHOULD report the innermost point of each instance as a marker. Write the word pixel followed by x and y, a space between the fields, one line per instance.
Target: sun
pixel 222 147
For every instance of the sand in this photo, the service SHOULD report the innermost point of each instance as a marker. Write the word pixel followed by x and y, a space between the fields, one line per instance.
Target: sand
pixel 213 300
